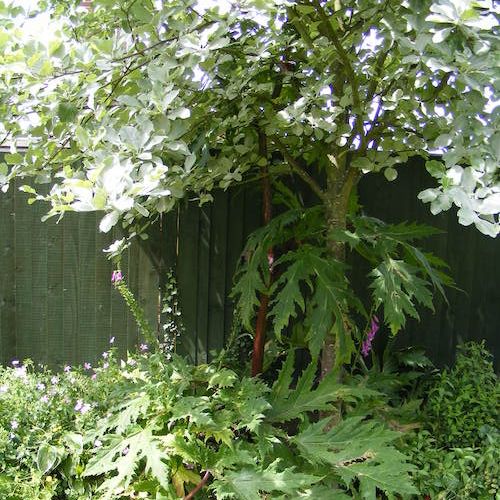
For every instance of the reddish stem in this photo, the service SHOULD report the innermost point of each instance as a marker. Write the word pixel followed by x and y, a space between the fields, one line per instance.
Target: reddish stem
pixel 199 486
pixel 260 326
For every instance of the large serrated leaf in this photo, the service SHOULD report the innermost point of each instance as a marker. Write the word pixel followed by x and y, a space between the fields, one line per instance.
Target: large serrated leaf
pixel 359 450
pixel 249 483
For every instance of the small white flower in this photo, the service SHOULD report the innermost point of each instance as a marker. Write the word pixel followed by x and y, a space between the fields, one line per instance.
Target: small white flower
pixel 14 425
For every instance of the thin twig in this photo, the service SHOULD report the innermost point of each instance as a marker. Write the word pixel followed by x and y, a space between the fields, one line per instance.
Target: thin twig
pixel 204 480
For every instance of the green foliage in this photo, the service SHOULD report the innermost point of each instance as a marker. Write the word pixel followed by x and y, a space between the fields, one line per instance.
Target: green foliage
pixel 128 106
pixel 312 288
pixel 465 399
pixel 457 451
pixel 156 426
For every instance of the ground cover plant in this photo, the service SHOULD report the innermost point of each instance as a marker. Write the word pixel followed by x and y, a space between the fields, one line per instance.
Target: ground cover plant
pixel 157 428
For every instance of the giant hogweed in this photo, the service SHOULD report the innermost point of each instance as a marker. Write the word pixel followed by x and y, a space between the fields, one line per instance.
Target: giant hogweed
pixel 311 284
pixel 169 424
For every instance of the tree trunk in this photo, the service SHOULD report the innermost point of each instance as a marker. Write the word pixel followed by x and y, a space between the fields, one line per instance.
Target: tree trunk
pixel 336 218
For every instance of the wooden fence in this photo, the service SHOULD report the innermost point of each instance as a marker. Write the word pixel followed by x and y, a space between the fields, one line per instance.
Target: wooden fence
pixel 57 304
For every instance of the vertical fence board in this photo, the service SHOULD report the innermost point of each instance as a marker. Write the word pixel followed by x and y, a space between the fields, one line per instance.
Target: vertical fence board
pixel 87 328
pixel 147 294
pixel 218 272
pixel 235 244
pixel 24 259
pixel 187 275
pixel 55 293
pixel 8 276
pixel 71 287
pixel 103 291
pixel 39 307
pixel 204 274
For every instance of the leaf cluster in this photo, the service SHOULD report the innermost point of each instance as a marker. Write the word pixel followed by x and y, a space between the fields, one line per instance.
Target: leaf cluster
pixel 166 424
pixel 457 450
pixel 311 289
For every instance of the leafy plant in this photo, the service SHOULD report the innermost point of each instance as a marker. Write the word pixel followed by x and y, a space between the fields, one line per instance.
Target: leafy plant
pixel 314 286
pixel 457 450
pixel 464 401
pixel 158 427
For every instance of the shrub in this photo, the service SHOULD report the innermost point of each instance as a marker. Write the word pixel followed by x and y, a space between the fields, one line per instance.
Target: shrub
pixel 159 428
pixel 457 451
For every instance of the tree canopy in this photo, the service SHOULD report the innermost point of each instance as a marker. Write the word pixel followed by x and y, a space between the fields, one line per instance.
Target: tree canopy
pixel 128 106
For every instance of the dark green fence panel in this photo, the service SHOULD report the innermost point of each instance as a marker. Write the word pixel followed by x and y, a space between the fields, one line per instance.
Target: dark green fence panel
pixel 208 245
pixel 473 312
pixel 57 304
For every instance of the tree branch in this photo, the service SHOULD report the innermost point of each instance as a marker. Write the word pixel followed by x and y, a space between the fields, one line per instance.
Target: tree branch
pixel 297 168
pixel 344 56
pixel 204 480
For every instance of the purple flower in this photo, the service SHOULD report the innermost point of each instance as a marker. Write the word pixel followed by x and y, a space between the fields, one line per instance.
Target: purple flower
pixel 87 365
pixel 54 380
pixel 40 386
pixel 116 276
pixel 143 347
pixel 82 407
pixel 14 425
pixel 366 346
pixel 67 369
pixel 15 362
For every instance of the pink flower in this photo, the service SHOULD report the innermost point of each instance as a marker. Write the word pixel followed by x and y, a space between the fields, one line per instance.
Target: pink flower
pixel 116 276
pixel 366 346
pixel 67 369
pixel 143 347
pixel 82 407
pixel 87 365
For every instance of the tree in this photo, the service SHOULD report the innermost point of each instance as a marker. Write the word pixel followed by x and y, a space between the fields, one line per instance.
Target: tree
pixel 131 106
